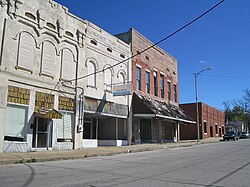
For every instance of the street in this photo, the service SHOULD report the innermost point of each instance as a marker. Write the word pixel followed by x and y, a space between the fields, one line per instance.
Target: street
pixel 216 164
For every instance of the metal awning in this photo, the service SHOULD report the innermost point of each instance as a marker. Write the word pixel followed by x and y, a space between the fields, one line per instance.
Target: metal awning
pixel 145 106
pixel 47 113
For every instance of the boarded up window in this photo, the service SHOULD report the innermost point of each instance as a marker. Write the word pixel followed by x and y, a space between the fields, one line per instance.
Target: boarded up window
pixel 64 131
pixel 108 77
pixel 44 100
pixel 18 95
pixel 26 51
pixel 48 59
pixel 16 118
pixel 66 103
pixel 68 65
pixel 121 77
pixel 92 75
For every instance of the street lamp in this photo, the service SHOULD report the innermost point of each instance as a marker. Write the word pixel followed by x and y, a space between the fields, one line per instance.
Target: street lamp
pixel 196 99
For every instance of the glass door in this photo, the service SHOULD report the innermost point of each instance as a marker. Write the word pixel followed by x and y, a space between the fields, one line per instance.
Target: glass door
pixel 42 133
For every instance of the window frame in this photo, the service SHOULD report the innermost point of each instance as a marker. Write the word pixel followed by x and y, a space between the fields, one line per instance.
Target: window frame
pixel 138 78
pixel 162 85
pixel 155 83
pixel 147 81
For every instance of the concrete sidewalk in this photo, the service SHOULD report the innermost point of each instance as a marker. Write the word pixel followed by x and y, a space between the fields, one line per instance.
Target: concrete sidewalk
pixel 29 157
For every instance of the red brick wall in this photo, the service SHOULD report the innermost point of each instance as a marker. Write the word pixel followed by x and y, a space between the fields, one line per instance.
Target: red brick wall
pixel 155 59
pixel 206 113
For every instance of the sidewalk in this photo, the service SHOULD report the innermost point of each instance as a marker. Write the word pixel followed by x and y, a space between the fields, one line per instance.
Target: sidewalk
pixel 14 158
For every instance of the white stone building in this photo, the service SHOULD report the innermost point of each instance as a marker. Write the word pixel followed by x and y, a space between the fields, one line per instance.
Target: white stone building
pixel 46 57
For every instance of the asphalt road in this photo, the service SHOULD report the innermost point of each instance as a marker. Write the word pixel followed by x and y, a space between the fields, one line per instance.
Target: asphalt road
pixel 217 164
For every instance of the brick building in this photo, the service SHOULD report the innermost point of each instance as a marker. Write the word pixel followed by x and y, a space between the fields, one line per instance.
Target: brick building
pixel 156 114
pixel 211 122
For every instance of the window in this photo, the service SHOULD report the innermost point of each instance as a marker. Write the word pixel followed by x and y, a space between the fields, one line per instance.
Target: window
pixel 147 82
pixel 162 86
pixel 108 78
pixel 138 78
pixel 216 128
pixel 205 126
pixel 48 59
pixel 16 119
pixel 175 93
pixel 169 91
pixel 68 65
pixel 26 52
pixel 92 74
pixel 155 84
pixel 121 78
pixel 64 131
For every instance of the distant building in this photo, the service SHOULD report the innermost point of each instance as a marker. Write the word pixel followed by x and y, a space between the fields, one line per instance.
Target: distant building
pixel 239 126
pixel 212 122
pixel 155 109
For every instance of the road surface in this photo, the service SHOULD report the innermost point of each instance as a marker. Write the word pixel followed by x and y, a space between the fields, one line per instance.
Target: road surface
pixel 217 164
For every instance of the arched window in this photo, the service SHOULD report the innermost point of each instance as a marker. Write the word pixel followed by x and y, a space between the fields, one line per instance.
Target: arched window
pixel 92 74
pixel 68 71
pixel 108 78
pixel 48 59
pixel 26 52
pixel 121 78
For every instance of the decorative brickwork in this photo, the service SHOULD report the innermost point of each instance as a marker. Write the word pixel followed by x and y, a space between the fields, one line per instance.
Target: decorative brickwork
pixel 44 100
pixel 66 103
pixel 18 95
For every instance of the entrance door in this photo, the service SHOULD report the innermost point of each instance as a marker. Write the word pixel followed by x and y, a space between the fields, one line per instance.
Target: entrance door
pixel 146 129
pixel 42 133
pixel 211 131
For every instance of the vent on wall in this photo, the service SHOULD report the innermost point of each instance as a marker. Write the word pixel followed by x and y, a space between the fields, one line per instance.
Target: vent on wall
pixel 122 55
pixel 29 15
pixel 93 42
pixel 50 25
pixel 69 34
pixel 109 50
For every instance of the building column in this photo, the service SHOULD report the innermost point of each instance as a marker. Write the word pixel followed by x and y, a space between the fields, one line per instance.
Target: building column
pixel 129 126
pixel 31 119
pixel 116 128
pixel 176 132
pixel 3 107
pixel 159 130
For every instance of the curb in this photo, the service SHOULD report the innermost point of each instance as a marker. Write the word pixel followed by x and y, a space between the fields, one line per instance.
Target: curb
pixel 96 153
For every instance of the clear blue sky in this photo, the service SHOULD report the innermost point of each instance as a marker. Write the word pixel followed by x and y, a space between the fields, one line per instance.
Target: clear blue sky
pixel 220 40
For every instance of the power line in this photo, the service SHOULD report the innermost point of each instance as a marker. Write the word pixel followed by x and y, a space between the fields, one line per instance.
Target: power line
pixel 180 29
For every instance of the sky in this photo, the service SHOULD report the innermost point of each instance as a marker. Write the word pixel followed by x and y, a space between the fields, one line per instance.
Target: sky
pixel 220 40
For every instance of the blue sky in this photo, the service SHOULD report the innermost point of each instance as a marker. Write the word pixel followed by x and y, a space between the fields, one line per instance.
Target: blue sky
pixel 220 40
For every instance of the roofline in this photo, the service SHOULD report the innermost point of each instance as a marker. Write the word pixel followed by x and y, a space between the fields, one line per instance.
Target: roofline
pixel 163 51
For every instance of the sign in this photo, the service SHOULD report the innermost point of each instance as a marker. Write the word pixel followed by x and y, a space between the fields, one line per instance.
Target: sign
pixel 124 89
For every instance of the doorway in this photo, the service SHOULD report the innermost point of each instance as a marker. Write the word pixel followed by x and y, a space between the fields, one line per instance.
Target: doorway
pixel 145 130
pixel 211 131
pixel 42 133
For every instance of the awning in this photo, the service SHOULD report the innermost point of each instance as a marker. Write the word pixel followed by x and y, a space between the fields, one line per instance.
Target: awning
pixel 48 113
pixel 144 106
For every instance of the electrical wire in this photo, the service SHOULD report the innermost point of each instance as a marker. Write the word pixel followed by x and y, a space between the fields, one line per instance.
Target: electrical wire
pixel 160 41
